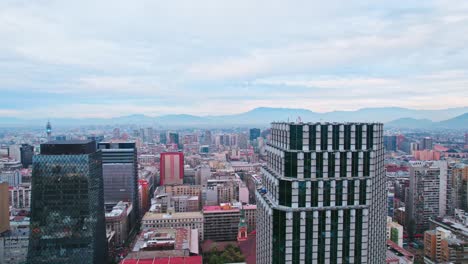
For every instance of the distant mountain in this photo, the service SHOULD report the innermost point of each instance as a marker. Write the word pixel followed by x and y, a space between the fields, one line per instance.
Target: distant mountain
pixel 459 122
pixel 263 116
pixel 410 123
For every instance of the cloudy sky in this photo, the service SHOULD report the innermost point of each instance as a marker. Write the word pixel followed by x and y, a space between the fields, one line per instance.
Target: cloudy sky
pixel 111 58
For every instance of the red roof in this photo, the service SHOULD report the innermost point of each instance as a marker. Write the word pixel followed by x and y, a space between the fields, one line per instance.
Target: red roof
pixel 170 260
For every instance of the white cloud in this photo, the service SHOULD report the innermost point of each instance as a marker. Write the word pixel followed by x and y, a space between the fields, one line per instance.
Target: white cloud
pixel 197 55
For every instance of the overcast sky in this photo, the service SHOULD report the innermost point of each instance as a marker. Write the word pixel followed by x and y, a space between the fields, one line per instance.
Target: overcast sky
pixel 93 58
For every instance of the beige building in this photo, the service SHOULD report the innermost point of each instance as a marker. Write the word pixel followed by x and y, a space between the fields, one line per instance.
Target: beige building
pixel 4 208
pixel 189 220
pixel 117 221
pixel 183 189
pixel 20 196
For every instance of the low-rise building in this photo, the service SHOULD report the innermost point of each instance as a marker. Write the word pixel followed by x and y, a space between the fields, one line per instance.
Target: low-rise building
pixel 189 220
pixel 394 232
pixel 250 212
pixel 20 196
pixel 117 220
pixel 221 222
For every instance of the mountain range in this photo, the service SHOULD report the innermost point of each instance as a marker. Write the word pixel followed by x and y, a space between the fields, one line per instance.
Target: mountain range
pixel 456 118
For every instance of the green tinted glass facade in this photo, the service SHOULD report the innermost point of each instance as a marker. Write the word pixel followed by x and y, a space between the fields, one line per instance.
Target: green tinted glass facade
pixel 67 210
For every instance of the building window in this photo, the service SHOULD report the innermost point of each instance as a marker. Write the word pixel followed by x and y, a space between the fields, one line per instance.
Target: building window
pixel 290 164
pixel 295 137
pixel 347 137
pixel 331 165
pixel 343 164
pixel 312 137
pixel 319 160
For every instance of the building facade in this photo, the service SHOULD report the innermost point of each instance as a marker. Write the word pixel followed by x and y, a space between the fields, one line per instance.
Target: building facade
pixel 172 168
pixel 67 205
pixel 221 222
pixel 427 197
pixel 4 208
pixel 189 220
pixel 323 198
pixel 120 174
pixel 20 196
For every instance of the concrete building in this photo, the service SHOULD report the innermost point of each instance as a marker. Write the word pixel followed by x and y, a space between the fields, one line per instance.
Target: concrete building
pixel 117 220
pixel 250 211
pixel 324 195
pixel 426 154
pixel 12 177
pixel 394 232
pixel 189 220
pixel 175 243
pixel 441 246
pixel 426 143
pixel 13 249
pixel 458 175
pixel 20 196
pixel 4 208
pixel 172 168
pixel 427 197
pixel 221 222
pixel 182 189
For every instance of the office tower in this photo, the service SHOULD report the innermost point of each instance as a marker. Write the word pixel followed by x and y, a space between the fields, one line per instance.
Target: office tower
pixel 207 137
pixel 149 135
pixel 466 139
pixel 120 175
pixel 162 138
pixel 254 134
pixel 458 179
pixel 427 197
pixel 323 198
pixel 390 143
pixel 49 130
pixel 26 153
pixel 174 138
pixel 414 146
pixel 67 205
pixel 4 208
pixel 116 133
pixel 14 152
pixel 242 141
pixel 172 168
pixel 427 143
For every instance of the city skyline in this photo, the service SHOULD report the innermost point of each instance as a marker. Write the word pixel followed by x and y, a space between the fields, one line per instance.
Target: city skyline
pixel 154 58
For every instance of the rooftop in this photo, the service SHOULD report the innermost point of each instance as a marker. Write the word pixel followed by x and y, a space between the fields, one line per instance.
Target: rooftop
pixel 182 215
pixel 170 260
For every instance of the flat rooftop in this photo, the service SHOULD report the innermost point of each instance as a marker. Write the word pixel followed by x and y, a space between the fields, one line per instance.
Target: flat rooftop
pixel 181 215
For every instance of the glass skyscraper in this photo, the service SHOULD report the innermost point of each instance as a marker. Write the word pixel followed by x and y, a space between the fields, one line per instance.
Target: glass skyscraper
pixel 67 205
pixel 323 198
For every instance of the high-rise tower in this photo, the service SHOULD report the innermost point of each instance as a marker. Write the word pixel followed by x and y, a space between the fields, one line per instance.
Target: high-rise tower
pixel 49 130
pixel 120 174
pixel 323 198
pixel 67 205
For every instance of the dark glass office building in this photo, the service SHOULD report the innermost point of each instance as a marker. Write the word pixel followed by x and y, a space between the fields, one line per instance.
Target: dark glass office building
pixel 120 174
pixel 323 198
pixel 27 153
pixel 67 205
pixel 254 134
